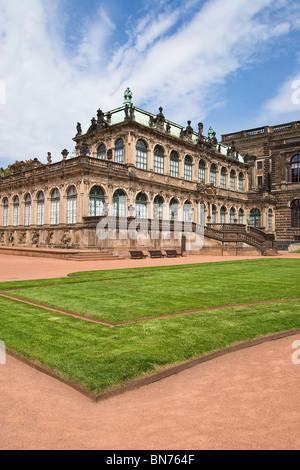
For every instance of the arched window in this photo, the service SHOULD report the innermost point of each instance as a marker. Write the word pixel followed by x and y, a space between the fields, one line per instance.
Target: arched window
pixel 241 216
pixel 223 213
pixel 119 151
pixel 16 214
pixel 201 175
pixel 5 212
pixel 141 155
pixel 187 212
pixel 213 174
pixel 232 215
pixel 159 159
pixel 119 203
pixel 295 214
pixel 55 207
pixel 96 202
pixel 174 209
pixel 255 218
pixel 232 180
pixel 188 166
pixel 27 215
pixel 158 208
pixel 223 178
pixel 174 164
pixel 241 182
pixel 295 166
pixel 72 205
pixel 270 220
pixel 213 214
pixel 101 152
pixel 40 213
pixel 141 206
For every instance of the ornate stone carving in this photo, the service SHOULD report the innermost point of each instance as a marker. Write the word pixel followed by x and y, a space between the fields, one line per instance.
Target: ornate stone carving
pixel 35 237
pixel 66 239
pixel 49 238
pixel 65 154
pixel 79 129
pixel 23 237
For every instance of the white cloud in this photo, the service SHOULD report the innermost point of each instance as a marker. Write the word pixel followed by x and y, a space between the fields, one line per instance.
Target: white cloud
pixel 285 103
pixel 171 59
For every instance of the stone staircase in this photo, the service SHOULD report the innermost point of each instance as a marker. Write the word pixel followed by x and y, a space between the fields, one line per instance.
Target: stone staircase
pixel 93 255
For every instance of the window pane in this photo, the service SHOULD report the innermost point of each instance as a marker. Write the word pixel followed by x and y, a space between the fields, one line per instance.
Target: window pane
pixel 141 159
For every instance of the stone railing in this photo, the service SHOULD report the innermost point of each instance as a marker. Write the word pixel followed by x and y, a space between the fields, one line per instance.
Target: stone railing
pixel 63 165
pixel 261 130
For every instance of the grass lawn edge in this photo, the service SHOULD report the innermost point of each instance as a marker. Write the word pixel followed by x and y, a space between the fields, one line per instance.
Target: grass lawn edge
pixel 153 376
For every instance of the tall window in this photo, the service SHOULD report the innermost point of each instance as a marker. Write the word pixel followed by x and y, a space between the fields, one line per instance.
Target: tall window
pixel 141 206
pixel 141 155
pixel 96 202
pixel 159 159
pixel 232 180
pixel 158 208
pixel 241 182
pixel 187 212
pixel 223 178
pixel 16 218
pixel 270 220
pixel 5 212
pixel 119 204
pixel 119 151
pixel 255 218
pixel 295 165
pixel 213 174
pixel 55 207
pixel 40 214
pixel 188 167
pixel 72 205
pixel 223 215
pixel 27 215
pixel 295 214
pixel 101 152
pixel 174 209
pixel 241 216
pixel 201 177
pixel 213 215
pixel 174 164
pixel 232 215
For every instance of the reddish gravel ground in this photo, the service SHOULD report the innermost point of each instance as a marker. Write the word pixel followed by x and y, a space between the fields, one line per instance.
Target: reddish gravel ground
pixel 17 268
pixel 244 400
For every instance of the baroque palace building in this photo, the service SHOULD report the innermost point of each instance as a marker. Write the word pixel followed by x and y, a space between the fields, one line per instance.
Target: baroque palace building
pixel 134 165
pixel 273 156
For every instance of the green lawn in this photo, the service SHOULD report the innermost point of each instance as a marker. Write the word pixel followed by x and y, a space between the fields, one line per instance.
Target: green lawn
pixel 122 295
pixel 99 358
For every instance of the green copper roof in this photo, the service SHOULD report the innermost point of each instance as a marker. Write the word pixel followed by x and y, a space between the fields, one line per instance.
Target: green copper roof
pixel 143 117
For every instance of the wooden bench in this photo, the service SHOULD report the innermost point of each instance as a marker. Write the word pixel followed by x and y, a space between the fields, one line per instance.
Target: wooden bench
pixel 172 254
pixel 156 254
pixel 137 255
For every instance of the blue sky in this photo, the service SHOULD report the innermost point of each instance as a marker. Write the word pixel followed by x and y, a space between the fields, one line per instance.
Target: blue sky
pixel 227 63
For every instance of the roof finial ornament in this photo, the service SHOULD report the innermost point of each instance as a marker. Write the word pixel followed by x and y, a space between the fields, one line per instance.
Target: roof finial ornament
pixel 128 97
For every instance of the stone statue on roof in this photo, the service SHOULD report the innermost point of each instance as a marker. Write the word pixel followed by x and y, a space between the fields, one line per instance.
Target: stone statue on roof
pixel 128 97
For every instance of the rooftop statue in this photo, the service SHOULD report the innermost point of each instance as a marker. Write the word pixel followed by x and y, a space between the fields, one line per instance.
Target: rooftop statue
pixel 128 96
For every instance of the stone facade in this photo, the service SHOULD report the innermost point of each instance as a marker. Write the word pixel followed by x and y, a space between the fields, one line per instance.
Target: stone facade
pixel 131 163
pixel 270 152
